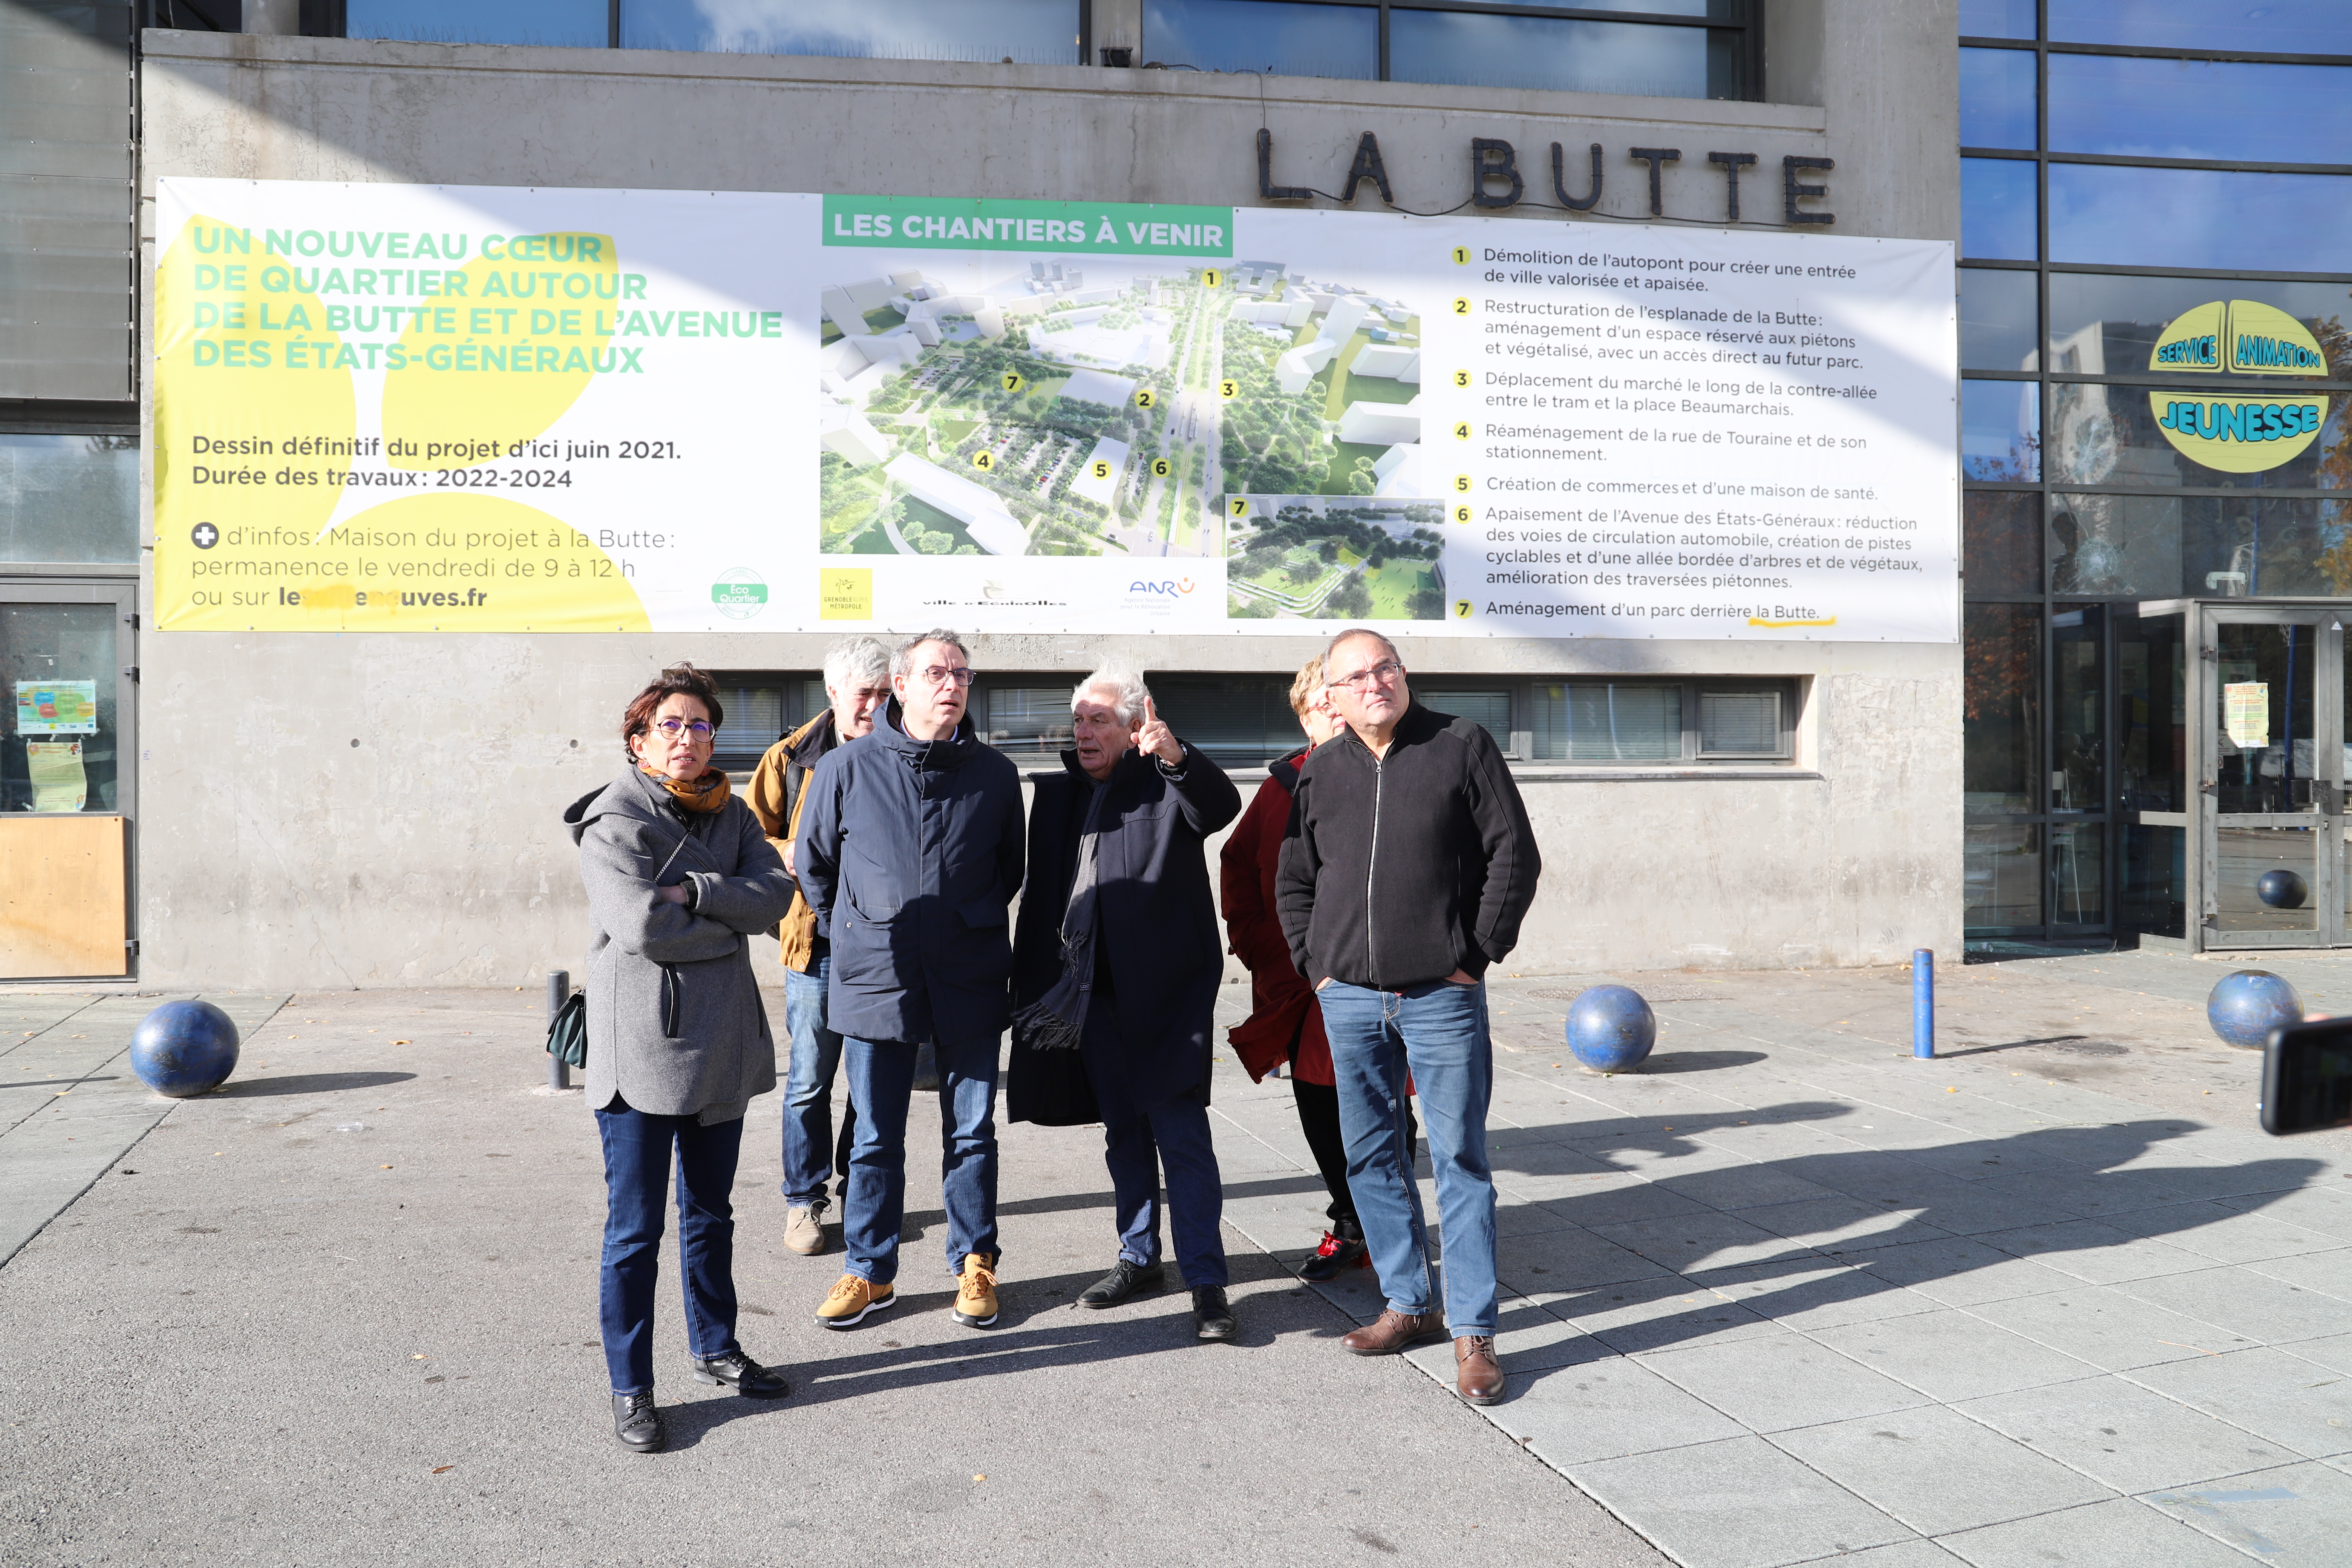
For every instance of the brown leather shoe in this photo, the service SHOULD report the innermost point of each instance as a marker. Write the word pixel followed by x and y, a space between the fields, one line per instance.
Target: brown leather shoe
pixel 1477 1375
pixel 1391 1332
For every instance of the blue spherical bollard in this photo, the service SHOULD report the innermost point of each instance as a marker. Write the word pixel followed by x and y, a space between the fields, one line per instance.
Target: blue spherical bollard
pixel 185 1048
pixel 2282 890
pixel 1611 1029
pixel 2246 1006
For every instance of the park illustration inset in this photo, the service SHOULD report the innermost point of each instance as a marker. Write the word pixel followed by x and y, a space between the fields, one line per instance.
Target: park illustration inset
pixel 1140 407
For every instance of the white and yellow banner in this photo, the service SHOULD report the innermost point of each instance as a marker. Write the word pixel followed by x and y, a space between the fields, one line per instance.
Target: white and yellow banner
pixel 438 408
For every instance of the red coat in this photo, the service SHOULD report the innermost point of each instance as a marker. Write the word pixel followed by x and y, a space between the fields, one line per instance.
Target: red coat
pixel 1286 1023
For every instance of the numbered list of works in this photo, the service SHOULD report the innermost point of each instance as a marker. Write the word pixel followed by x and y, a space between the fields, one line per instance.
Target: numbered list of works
pixel 1672 446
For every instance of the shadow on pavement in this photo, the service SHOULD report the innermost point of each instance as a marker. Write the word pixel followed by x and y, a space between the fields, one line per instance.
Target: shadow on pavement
pixel 310 1083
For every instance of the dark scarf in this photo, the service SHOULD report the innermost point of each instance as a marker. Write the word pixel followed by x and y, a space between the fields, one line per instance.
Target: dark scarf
pixel 1058 1020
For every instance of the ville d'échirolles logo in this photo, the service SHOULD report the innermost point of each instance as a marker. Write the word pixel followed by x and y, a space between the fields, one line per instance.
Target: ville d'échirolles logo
pixel 2238 433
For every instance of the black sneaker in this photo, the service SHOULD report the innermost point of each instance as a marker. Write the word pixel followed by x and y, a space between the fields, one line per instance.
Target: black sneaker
pixel 733 1369
pixel 1212 1318
pixel 1124 1280
pixel 1335 1256
pixel 637 1422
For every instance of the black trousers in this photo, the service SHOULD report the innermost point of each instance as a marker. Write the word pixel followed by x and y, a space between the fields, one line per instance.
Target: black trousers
pixel 1319 1119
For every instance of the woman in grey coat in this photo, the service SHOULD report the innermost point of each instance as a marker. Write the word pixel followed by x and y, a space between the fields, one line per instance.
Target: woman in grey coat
pixel 678 875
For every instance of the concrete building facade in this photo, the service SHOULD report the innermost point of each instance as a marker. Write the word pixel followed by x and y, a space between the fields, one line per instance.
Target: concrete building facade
pixel 381 809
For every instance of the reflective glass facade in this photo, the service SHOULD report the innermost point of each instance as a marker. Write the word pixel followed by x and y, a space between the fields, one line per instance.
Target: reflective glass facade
pixel 2154 252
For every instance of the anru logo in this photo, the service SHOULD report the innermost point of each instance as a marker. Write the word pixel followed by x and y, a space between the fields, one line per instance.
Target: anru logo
pixel 2247 433
pixel 1174 588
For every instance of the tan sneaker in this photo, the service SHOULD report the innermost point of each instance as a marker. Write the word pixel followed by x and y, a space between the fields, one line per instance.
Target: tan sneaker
pixel 851 1299
pixel 805 1230
pixel 975 1305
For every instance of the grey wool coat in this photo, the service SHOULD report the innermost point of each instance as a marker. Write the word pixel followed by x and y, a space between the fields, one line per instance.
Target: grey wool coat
pixel 675 1022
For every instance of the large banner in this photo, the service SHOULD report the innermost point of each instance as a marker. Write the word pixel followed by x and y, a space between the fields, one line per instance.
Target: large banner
pixel 386 407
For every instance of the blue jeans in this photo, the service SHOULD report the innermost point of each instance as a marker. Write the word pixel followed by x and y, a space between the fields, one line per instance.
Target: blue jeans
pixel 1138 1141
pixel 881 1076
pixel 638 1151
pixel 1438 1033
pixel 811 1154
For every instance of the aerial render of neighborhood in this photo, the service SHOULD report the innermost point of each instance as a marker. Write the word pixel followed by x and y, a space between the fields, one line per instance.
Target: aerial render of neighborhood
pixel 1106 405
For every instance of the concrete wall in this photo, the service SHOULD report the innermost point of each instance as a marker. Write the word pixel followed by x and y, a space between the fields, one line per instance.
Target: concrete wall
pixel 381 809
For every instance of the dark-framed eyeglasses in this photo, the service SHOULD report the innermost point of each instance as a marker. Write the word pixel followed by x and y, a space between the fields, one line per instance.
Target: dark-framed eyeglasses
pixel 693 729
pixel 941 674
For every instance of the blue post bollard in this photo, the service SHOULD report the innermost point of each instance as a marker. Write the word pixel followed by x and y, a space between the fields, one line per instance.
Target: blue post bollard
pixel 1923 1005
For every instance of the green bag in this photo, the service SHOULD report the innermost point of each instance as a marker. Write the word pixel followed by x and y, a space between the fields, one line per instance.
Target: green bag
pixel 567 1032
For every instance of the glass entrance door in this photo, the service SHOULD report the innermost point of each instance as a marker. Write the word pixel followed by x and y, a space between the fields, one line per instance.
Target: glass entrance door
pixel 2273 844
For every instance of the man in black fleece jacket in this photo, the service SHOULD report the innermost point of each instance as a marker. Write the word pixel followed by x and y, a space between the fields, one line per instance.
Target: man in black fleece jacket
pixel 1406 869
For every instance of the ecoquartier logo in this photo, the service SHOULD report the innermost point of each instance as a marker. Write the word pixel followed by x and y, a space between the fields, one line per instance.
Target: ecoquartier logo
pixel 2239 434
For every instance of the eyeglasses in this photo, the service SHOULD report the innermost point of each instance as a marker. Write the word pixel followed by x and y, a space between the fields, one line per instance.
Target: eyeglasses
pixel 1381 674
pixel 674 728
pixel 939 675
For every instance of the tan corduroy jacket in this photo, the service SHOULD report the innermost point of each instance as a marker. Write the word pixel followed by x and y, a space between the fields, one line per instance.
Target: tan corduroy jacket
pixel 777 794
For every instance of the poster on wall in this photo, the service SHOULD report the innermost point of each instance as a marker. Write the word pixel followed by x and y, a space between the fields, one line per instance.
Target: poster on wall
pixel 444 408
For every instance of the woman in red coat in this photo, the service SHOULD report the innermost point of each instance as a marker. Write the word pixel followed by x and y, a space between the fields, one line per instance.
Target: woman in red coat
pixel 1285 1024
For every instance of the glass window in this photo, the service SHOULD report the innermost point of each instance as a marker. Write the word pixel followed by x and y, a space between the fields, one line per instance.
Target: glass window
pixel 69 499
pixel 1027 32
pixel 1997 99
pixel 2110 435
pixel 1998 329
pixel 761 708
pixel 2106 323
pixel 2272 27
pixel 2226 220
pixel 2002 726
pixel 2001 543
pixel 1490 710
pixel 1624 722
pixel 2195 109
pixel 1472 49
pixel 1029 717
pixel 577 24
pixel 2077 728
pixel 2077 873
pixel 57 673
pixel 2001 867
pixel 2155 870
pixel 2151 692
pixel 1273 36
pixel 1739 724
pixel 1996 18
pixel 1997 209
pixel 2001 429
pixel 2115 545
pixel 1238 720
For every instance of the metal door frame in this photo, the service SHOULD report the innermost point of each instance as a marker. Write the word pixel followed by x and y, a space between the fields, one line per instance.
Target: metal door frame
pixel 2201 617
pixel 122 592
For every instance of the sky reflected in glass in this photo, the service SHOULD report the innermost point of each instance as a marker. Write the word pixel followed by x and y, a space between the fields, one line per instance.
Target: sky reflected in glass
pixel 1997 209
pixel 1997 99
pixel 1467 50
pixel 1996 19
pixel 2196 108
pixel 1998 330
pixel 2211 219
pixel 2001 429
pixel 1248 36
pixel 2253 26
pixel 576 23
pixel 1028 32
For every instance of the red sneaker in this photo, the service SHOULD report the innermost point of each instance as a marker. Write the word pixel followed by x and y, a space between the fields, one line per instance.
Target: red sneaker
pixel 1334 1258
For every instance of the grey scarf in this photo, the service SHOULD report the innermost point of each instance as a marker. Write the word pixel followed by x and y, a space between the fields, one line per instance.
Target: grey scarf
pixel 1057 1021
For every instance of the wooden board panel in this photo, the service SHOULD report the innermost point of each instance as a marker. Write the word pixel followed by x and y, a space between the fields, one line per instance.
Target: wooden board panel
pixel 62 898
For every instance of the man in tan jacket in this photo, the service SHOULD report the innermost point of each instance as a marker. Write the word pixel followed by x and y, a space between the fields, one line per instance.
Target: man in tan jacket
pixel 857 683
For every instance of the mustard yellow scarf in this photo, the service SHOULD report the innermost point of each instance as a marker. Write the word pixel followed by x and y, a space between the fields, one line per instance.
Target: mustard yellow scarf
pixel 709 793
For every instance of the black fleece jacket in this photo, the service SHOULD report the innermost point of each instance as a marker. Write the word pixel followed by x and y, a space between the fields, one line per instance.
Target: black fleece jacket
pixel 1396 871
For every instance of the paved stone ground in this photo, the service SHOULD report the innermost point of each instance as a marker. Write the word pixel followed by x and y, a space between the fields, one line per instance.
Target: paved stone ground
pixel 1787 1296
